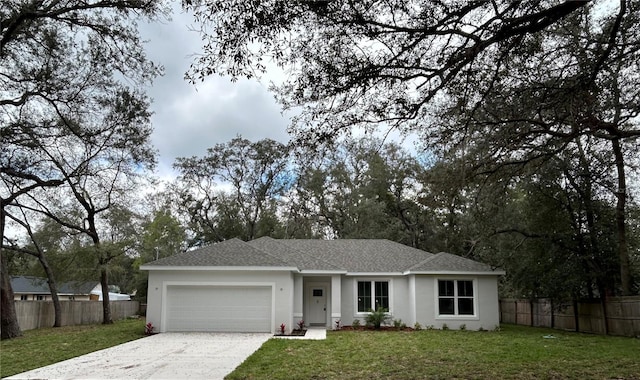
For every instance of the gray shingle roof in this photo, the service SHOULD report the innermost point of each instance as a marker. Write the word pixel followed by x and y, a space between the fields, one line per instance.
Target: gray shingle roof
pixel 361 255
pixel 446 262
pixel 229 253
pixel 293 256
pixel 345 255
pixel 38 285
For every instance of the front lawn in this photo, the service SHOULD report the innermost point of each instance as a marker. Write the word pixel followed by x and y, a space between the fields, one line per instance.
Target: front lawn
pixel 514 352
pixel 41 347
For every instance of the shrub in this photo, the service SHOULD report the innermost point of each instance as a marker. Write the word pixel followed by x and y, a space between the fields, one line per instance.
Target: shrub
pixel 463 327
pixel 356 323
pixel 417 326
pixel 445 327
pixel 430 327
pixel 148 328
pixel 283 328
pixel 301 324
pixel 377 318
pixel 397 323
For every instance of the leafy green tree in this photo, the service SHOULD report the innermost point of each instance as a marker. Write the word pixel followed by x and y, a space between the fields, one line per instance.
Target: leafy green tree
pixel 36 250
pixel 519 80
pixel 544 104
pixel 58 59
pixel 255 174
pixel 360 189
pixel 162 236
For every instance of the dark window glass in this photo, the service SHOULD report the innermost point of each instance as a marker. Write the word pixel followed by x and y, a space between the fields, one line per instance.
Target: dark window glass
pixel 465 306
pixel 465 288
pixel 445 288
pixel 364 296
pixel 446 306
pixel 382 294
pixel 317 292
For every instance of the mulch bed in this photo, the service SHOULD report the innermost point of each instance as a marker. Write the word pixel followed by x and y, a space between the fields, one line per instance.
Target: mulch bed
pixel 367 328
pixel 295 332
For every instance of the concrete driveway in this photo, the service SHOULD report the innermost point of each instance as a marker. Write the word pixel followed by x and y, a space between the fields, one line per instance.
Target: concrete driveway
pixel 161 356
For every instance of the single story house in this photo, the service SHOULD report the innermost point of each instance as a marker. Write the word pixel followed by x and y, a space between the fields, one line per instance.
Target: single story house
pixel 31 288
pixel 256 286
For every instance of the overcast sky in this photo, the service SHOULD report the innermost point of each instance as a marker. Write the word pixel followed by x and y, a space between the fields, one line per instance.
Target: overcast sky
pixel 189 118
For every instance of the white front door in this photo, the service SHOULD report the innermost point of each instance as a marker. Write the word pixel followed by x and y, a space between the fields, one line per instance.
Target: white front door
pixel 317 305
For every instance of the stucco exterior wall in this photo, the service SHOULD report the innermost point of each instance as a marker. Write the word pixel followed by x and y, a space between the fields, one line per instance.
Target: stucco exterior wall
pixel 487 313
pixel 398 292
pixel 281 281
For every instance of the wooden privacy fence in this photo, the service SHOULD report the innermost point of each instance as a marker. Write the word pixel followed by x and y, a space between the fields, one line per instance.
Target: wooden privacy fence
pixel 37 314
pixel 622 315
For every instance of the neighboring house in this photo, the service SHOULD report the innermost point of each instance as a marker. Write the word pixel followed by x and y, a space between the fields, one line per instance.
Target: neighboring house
pixel 29 288
pixel 255 286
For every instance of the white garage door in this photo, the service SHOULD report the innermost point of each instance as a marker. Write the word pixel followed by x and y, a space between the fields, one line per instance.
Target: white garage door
pixel 219 308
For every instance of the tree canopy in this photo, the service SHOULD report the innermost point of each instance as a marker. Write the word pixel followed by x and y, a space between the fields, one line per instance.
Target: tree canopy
pixel 499 85
pixel 68 117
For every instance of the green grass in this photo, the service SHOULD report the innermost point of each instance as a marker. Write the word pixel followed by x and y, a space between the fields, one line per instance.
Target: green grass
pixel 38 348
pixel 514 352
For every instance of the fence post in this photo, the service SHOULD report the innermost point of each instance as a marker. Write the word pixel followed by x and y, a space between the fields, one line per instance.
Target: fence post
pixel 605 319
pixel 576 315
pixel 531 312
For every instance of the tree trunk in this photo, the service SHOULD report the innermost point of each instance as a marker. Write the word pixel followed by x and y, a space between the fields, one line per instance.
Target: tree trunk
pixel 102 261
pixel 106 307
pixel 621 196
pixel 9 320
pixel 53 288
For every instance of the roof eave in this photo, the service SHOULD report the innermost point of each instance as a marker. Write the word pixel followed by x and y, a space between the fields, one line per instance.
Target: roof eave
pixel 218 268
pixel 458 273
pixel 374 274
pixel 323 271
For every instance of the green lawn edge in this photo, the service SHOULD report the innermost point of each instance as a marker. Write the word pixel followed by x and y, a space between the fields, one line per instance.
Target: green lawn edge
pixel 42 347
pixel 514 352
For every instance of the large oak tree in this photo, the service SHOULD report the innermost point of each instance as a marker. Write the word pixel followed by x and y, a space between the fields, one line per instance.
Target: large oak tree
pixel 61 62
pixel 549 72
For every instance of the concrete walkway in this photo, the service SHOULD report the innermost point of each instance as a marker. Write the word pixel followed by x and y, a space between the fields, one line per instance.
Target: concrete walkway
pixel 313 333
pixel 164 356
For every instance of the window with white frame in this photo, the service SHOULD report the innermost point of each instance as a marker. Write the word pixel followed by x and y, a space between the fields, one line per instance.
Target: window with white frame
pixel 372 295
pixel 455 297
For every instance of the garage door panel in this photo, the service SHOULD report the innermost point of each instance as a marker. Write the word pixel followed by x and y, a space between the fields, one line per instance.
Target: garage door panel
pixel 219 308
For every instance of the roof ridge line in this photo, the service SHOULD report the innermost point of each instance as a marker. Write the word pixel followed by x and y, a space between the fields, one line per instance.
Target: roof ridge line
pixel 268 253
pixel 433 255
pixel 280 242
